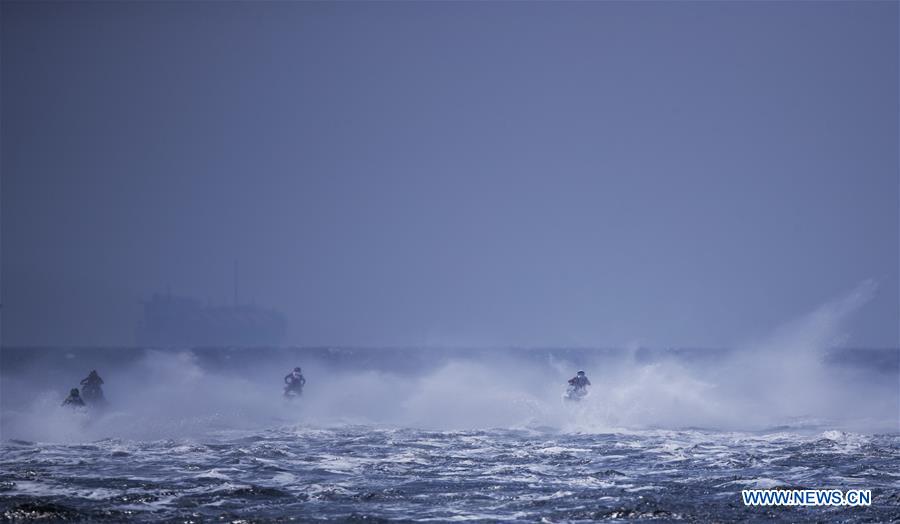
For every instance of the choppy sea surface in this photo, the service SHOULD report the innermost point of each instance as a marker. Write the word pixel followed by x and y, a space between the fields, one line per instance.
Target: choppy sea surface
pixel 203 436
pixel 370 473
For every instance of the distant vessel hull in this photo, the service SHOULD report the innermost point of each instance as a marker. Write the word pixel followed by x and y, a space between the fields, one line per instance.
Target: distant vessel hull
pixel 170 320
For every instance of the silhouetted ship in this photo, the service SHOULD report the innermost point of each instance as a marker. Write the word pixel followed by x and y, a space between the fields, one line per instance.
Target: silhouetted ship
pixel 174 321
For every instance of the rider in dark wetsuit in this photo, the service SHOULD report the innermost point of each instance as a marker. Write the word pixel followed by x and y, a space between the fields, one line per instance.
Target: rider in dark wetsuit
pixel 90 386
pixel 74 399
pixel 294 382
pixel 580 383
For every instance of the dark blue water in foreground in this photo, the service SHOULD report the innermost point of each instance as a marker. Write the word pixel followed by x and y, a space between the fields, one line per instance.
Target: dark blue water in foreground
pixel 376 473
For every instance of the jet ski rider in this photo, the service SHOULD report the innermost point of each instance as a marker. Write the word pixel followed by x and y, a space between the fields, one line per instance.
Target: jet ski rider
pixel 294 382
pixel 74 399
pixel 580 382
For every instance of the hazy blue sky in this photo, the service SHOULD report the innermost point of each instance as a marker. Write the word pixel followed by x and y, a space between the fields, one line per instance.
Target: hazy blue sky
pixel 451 173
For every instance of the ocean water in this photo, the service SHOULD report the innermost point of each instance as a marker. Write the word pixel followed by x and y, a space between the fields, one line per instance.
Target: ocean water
pixel 364 472
pixel 198 436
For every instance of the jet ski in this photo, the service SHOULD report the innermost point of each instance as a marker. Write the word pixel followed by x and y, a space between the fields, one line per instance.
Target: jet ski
pixel 574 394
pixel 93 395
pixel 292 393
pixel 293 384
pixel 92 392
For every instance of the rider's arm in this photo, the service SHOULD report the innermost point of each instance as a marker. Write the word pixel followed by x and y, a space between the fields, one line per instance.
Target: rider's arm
pixel 302 380
pixel 587 381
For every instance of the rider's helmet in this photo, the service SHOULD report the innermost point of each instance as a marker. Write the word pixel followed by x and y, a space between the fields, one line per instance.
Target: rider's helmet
pixel 297 370
pixel 580 373
pixel 74 392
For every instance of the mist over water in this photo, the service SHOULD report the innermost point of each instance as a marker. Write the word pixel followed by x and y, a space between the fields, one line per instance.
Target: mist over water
pixel 785 379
